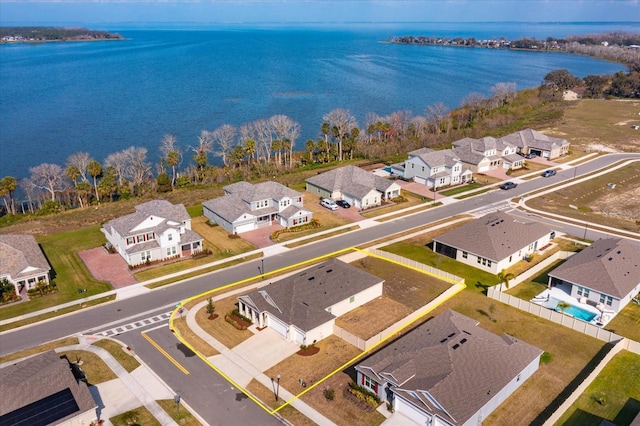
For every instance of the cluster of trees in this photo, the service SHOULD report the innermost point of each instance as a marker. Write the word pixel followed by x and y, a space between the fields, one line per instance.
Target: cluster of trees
pixel 55 34
pixel 620 85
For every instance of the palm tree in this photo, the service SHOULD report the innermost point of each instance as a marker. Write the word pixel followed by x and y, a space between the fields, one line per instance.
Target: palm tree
pixel 504 278
pixel 8 184
pixel 95 169
pixel 563 306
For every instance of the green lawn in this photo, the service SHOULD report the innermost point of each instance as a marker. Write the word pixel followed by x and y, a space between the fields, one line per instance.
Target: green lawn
pixel 475 279
pixel 68 270
pixel 614 395
pixel 137 417
pixel 627 322
pixel 116 350
pixel 461 189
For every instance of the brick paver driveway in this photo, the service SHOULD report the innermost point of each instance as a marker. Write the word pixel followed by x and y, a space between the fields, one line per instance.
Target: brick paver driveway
pixel 107 267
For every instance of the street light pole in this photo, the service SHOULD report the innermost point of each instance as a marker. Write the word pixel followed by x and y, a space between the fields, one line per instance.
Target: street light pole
pixel 176 399
pixel 585 231
pixel 278 388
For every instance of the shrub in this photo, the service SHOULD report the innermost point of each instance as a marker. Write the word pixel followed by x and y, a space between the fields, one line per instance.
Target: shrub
pixel 364 394
pixel 313 224
pixel 329 393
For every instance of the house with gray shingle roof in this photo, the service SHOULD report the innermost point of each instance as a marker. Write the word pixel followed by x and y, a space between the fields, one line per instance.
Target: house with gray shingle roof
pixel 23 263
pixel 529 141
pixel 43 390
pixel 448 371
pixel 358 187
pixel 436 169
pixel 247 207
pixel 487 153
pixel 158 230
pixel 303 307
pixel 493 242
pixel 605 274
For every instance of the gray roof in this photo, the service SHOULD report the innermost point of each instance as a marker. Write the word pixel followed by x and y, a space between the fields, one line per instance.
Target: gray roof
pixel 19 252
pixel 533 139
pixel 443 157
pixel 229 207
pixel 610 266
pixel 478 145
pixel 38 377
pixel 459 364
pixel 157 208
pixel 302 298
pixel 261 191
pixel 350 179
pixel 494 236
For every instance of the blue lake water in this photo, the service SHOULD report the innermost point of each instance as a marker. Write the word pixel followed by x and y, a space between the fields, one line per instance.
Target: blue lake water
pixel 60 98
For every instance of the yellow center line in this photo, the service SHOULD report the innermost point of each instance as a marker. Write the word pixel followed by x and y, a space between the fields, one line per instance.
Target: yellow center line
pixel 163 352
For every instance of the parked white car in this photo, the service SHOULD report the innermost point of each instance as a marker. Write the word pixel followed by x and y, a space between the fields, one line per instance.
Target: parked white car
pixel 330 204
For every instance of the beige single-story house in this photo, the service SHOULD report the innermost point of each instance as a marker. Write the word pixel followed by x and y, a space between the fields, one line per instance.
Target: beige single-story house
pixel 358 187
pixel 448 372
pixel 303 307
pixel 493 242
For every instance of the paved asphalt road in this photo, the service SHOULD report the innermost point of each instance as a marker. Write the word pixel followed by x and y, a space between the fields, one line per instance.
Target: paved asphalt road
pixel 207 392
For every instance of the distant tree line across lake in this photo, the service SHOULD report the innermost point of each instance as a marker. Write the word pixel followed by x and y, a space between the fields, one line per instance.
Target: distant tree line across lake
pixel 33 34
pixel 621 47
pixel 266 148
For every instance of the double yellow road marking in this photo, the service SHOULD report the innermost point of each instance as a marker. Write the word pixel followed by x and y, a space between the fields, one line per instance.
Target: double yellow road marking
pixel 163 352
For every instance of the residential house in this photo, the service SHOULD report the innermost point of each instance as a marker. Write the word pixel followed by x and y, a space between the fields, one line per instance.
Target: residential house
pixel 436 169
pixel 605 274
pixel 158 230
pixel 358 187
pixel 493 242
pixel 23 263
pixel 479 155
pixel 529 141
pixel 303 307
pixel 246 207
pixel 43 390
pixel 448 371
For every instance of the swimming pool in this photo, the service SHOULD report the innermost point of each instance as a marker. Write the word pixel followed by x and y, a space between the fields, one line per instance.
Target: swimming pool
pixel 387 169
pixel 572 310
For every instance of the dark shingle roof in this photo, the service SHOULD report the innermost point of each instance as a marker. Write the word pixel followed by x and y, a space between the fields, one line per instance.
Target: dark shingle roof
pixel 351 180
pixel 610 266
pixel 37 378
pixel 302 299
pixel 459 364
pixel 494 236
pixel 19 252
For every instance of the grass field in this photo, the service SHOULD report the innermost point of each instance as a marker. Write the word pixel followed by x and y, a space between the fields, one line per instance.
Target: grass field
pixel 117 351
pixel 614 395
pixel 94 367
pixel 137 417
pixel 180 414
pixel 38 349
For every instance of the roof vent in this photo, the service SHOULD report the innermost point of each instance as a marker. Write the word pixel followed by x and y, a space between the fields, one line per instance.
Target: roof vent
pixel 463 341
pixel 610 259
pixel 443 340
pixel 451 335
pixel 329 270
pixel 456 346
pixel 311 278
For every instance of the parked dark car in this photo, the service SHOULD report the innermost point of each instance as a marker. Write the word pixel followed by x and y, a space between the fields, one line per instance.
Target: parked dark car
pixel 531 155
pixel 508 185
pixel 343 204
pixel 548 173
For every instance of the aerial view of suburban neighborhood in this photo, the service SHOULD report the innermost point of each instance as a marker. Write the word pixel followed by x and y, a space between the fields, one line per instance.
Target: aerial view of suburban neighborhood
pixel 479 265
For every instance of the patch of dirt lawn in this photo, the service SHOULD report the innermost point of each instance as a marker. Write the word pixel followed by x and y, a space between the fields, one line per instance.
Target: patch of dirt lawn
pixel 334 353
pixel 529 404
pixel 371 318
pixel 341 410
pixel 267 397
pixel 219 328
pixel 404 285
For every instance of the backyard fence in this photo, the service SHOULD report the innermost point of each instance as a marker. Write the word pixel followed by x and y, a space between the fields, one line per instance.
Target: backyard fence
pixel 551 315
pixel 438 273
pixel 536 269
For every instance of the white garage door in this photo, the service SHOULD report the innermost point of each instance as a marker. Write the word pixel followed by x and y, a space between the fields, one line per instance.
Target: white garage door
pixel 411 412
pixel 244 228
pixel 420 180
pixel 298 336
pixel 276 325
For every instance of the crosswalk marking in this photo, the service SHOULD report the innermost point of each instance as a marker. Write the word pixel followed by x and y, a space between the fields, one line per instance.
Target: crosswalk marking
pixel 134 325
pixel 491 209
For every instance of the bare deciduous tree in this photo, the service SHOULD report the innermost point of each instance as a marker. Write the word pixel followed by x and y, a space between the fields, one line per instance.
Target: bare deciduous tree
pixel 343 122
pixel 436 114
pixel 80 160
pixel 118 160
pixel 48 177
pixel 224 137
pixel 137 169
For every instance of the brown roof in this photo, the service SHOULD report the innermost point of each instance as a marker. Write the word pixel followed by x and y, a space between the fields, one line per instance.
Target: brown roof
pixel 457 363
pixel 610 266
pixel 19 252
pixel 36 378
pixel 494 236
pixel 302 299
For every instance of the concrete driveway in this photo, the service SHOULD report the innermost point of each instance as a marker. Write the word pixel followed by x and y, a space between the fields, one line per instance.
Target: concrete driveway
pixel 265 349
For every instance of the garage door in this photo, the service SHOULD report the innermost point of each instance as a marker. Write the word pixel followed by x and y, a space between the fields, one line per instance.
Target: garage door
pixel 420 180
pixel 276 325
pixel 244 228
pixel 298 336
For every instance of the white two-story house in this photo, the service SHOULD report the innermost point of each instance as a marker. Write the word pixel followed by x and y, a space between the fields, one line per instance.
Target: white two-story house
pixel 436 168
pixel 246 207
pixel 158 230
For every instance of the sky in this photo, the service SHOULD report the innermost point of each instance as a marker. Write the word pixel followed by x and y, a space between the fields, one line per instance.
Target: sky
pixel 68 12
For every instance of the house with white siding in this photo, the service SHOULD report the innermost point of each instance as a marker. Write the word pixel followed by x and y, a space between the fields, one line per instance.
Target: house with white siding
pixel 358 187
pixel 436 169
pixel 605 274
pixel 246 207
pixel 23 263
pixel 303 307
pixel 529 141
pixel 158 230
pixel 493 242
pixel 448 372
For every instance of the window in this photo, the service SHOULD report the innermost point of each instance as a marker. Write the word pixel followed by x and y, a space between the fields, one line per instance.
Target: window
pixel 170 237
pixel 171 251
pixel 145 255
pixel 465 254
pixel 352 299
pixel 370 383
pixel 488 263
pixel 602 298
pixel 609 300
pixel 479 260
